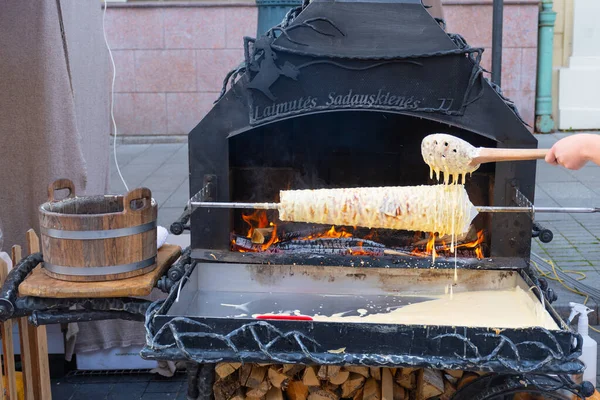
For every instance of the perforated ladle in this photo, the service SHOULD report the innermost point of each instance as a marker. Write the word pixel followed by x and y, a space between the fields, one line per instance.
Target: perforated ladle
pixel 454 156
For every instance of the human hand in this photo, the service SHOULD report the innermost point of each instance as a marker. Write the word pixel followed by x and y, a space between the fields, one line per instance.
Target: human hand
pixel 573 152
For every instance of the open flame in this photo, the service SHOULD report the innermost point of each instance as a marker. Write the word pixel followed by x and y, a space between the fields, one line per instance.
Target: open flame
pixel 331 233
pixel 431 249
pixel 262 234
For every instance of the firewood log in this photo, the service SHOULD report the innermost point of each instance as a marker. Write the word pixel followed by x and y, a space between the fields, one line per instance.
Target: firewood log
pixel 364 371
pixel 274 393
pixel 245 372
pixel 359 395
pixel 322 374
pixel 430 383
pixel 309 377
pixel 340 377
pixel 224 389
pixel 449 391
pixel 323 395
pixel 354 382
pixel 256 378
pixel 387 384
pixel 375 373
pixel 238 395
pixel 296 390
pixel 259 391
pixel 453 375
pixel 332 388
pixel 223 370
pixel 278 379
pixel 292 370
pixel 467 378
pixel 371 390
pixel 333 371
pixel 406 378
pixel 393 371
pixel 399 392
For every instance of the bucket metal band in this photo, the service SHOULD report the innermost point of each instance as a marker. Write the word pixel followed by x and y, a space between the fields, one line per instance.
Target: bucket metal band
pixel 96 271
pixel 103 234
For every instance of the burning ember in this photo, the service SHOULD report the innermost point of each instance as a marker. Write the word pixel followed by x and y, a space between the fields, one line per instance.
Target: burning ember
pixel 264 236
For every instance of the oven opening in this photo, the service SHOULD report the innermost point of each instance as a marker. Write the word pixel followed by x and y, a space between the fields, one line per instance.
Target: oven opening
pixel 344 150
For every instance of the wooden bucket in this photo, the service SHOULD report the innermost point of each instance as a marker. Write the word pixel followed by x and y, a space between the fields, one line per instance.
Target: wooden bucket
pixel 98 238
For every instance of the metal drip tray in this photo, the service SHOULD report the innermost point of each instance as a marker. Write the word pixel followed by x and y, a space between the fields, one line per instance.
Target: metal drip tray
pixel 213 319
pixel 244 291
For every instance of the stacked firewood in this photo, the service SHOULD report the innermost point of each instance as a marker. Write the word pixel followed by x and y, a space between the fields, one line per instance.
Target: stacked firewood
pixel 235 381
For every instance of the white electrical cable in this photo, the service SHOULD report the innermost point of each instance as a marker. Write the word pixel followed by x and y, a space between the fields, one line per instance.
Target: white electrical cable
pixel 112 98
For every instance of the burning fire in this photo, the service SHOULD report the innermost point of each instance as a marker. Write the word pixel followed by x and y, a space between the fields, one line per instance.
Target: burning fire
pixel 260 228
pixel 432 249
pixel 331 233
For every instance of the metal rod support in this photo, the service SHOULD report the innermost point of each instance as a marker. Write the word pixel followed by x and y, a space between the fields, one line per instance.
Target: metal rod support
pixel 497 22
pixel 254 206
pixel 274 206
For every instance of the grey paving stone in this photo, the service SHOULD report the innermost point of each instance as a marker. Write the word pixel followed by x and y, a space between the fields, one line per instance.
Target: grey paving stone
pixel 180 196
pixel 558 175
pixel 180 157
pixel 135 174
pixel 163 183
pixel 62 390
pixel 161 196
pixel 546 141
pixel 159 396
pixel 164 387
pixel 166 215
pixel 168 170
pixel 568 190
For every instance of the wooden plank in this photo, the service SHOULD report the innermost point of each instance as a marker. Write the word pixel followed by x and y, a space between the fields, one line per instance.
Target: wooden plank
pixel 39 284
pixel 7 344
pixel 26 353
pixel 387 384
pixel 38 341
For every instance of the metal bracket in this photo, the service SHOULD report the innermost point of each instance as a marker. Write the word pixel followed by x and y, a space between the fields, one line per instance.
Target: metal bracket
pixel 521 200
pixel 208 191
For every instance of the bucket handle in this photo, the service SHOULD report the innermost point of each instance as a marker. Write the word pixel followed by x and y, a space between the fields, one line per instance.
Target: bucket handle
pixel 137 194
pixel 60 184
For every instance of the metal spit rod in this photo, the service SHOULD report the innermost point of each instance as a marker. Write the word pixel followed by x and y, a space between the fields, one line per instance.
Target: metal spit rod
pixel 274 206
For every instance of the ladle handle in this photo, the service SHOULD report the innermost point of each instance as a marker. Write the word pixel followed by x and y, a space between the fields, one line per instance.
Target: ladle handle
pixel 492 155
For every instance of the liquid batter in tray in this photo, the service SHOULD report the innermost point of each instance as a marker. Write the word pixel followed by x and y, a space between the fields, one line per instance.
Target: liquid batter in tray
pixel 512 308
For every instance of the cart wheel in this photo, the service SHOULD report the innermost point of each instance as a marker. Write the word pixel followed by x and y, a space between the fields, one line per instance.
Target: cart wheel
pixel 509 387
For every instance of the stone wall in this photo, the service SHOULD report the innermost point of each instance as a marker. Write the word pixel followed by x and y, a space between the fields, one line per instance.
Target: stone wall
pixel 171 58
pixel 171 61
